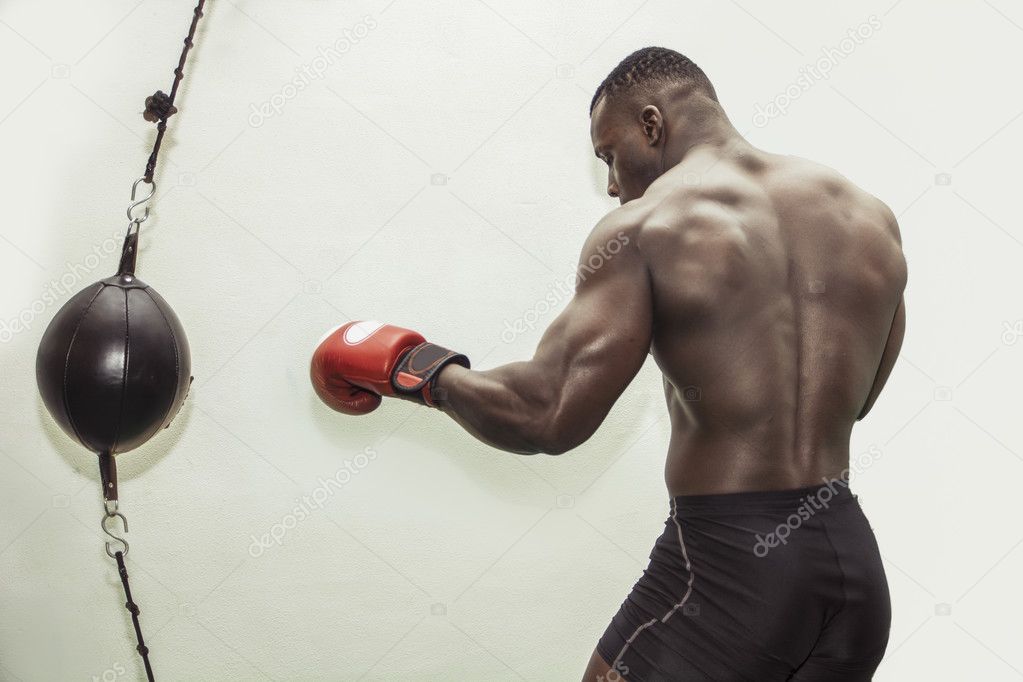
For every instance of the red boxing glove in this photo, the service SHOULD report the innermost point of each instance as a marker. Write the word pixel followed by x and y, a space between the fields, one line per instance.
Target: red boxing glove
pixel 358 362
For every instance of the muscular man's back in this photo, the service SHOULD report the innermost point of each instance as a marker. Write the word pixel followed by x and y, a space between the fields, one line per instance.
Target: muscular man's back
pixel 775 284
pixel 769 291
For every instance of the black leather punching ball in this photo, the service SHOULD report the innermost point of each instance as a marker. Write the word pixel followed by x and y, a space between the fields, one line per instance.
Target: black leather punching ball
pixel 113 366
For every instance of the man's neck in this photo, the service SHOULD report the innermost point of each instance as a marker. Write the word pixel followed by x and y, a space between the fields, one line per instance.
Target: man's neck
pixel 699 123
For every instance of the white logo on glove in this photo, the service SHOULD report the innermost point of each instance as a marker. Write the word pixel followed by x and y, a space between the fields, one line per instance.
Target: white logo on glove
pixel 360 331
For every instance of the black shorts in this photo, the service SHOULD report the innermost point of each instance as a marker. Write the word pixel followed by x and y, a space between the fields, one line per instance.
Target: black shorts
pixel 761 586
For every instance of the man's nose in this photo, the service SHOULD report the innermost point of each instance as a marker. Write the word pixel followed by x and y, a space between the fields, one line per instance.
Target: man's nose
pixel 612 189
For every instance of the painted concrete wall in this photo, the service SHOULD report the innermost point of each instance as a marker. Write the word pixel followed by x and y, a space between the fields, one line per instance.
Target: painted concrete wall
pixel 429 164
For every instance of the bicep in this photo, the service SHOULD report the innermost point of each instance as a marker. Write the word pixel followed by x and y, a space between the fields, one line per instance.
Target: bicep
pixel 600 340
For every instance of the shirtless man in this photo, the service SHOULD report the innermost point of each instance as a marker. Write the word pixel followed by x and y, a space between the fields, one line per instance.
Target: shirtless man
pixel 769 290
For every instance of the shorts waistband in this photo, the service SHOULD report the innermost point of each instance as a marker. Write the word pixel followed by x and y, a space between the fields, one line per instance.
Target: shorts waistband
pixel 815 496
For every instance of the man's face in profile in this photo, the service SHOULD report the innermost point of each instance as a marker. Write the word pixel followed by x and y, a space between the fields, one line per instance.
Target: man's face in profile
pixel 619 141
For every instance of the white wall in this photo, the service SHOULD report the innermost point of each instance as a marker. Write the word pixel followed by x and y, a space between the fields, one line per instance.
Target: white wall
pixel 442 558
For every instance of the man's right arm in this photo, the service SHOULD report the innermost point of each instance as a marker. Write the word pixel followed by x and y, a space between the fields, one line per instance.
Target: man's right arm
pixel 891 352
pixel 898 328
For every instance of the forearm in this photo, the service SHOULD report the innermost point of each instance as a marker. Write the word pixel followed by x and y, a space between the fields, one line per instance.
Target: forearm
pixel 508 407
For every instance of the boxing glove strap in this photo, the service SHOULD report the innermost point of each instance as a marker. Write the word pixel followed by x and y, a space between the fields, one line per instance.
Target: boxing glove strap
pixel 413 376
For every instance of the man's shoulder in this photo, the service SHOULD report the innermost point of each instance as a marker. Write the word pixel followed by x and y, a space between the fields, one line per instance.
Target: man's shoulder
pixel 824 181
pixel 624 222
pixel 646 225
pixel 615 239
pixel 832 199
pixel 810 183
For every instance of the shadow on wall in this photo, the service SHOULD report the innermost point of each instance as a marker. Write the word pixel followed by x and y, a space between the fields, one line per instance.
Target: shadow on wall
pixel 129 464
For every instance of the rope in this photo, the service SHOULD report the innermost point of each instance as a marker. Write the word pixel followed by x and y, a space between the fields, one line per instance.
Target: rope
pixel 159 105
pixel 134 610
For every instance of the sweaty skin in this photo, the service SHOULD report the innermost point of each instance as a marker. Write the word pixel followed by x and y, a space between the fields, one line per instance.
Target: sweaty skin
pixel 768 289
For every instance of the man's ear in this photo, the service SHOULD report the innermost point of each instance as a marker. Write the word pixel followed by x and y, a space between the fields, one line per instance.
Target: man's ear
pixel 653 123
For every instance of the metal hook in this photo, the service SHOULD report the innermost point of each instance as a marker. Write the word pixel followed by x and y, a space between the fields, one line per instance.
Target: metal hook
pixel 134 203
pixel 124 522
